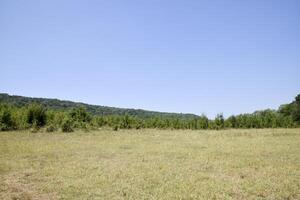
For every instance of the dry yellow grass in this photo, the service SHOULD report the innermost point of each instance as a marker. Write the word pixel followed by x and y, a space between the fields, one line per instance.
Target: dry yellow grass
pixel 151 164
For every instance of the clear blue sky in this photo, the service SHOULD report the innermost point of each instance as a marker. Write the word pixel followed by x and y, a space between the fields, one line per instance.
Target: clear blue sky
pixel 181 56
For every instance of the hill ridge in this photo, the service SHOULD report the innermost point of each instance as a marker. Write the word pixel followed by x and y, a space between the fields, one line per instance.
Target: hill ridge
pixel 59 104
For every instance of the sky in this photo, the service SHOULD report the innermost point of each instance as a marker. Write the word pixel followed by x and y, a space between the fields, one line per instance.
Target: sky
pixel 195 56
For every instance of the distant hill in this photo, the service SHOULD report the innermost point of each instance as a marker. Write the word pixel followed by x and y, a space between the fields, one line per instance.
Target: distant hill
pixel 93 109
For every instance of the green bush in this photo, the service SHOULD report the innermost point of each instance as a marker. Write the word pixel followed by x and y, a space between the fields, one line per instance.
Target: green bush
pixel 219 121
pixel 80 115
pixel 6 120
pixel 67 125
pixel 36 114
pixel 126 122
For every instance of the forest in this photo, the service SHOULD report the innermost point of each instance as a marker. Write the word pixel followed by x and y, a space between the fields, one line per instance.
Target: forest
pixel 21 113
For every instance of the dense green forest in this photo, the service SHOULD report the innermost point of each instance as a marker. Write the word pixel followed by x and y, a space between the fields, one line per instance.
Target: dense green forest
pixel 18 113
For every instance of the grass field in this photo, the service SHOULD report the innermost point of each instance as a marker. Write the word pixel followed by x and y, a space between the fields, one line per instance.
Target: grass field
pixel 151 164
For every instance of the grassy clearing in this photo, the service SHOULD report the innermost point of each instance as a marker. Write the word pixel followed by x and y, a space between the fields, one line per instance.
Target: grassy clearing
pixel 151 164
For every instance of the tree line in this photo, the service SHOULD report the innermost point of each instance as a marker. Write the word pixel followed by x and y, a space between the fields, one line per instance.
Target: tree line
pixel 57 104
pixel 34 116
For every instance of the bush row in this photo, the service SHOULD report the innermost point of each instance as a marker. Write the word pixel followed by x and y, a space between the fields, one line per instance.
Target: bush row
pixel 35 116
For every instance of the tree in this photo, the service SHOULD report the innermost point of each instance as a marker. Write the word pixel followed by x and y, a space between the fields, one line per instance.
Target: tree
pixel 296 112
pixel 203 122
pixel 232 121
pixel 219 121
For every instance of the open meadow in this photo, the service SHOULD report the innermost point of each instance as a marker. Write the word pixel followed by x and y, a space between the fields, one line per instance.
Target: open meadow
pixel 151 164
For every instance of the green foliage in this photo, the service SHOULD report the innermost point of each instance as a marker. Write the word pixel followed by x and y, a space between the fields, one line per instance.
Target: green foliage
pixel 80 118
pixel 6 120
pixel 232 122
pixel 99 121
pixel 296 112
pixel 36 115
pixel 203 122
pixel 55 104
pixel 80 115
pixel 219 121
pixel 126 122
pixel 67 125
pixel 292 110
pixel 139 124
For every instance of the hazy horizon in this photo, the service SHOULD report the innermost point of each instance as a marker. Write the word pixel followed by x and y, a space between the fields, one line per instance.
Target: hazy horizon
pixel 170 56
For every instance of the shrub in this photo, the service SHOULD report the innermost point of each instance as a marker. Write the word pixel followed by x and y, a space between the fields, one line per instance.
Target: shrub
pixel 67 125
pixel 35 128
pixel 219 121
pixel 126 122
pixel 85 127
pixel 138 126
pixel 80 115
pixel 51 128
pixel 36 114
pixel 6 121
pixel 98 121
pixel 116 128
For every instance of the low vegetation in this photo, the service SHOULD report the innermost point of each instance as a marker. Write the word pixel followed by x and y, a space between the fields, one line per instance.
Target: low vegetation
pixel 151 164
pixel 18 115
